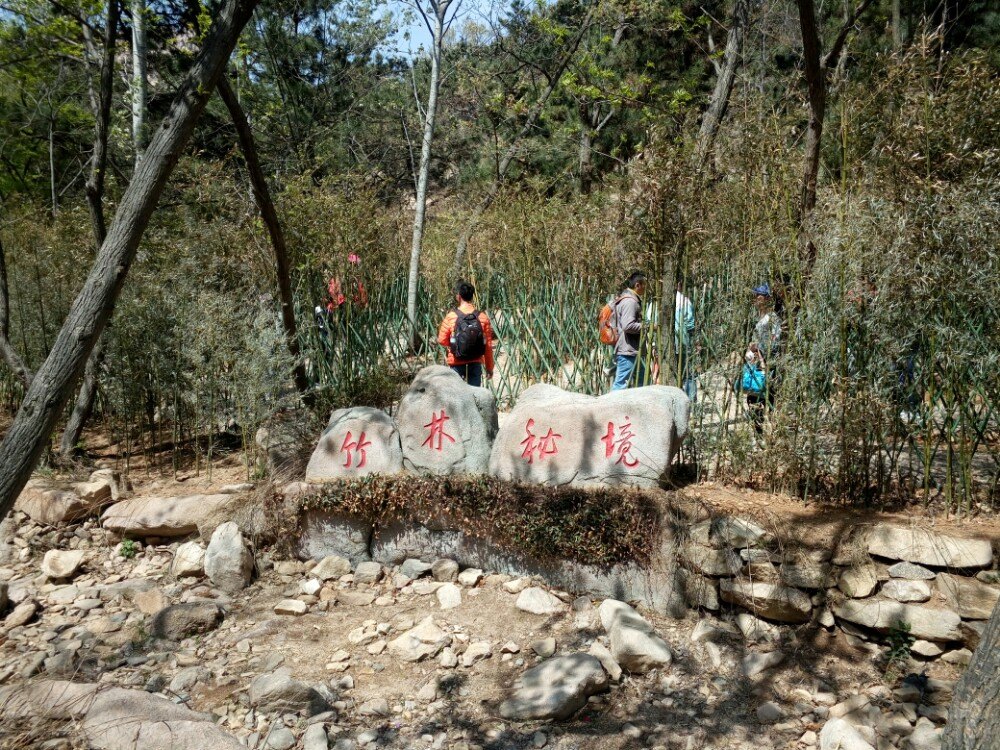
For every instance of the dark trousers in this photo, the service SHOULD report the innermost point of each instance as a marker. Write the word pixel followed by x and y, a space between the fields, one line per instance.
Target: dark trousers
pixel 756 404
pixel 471 374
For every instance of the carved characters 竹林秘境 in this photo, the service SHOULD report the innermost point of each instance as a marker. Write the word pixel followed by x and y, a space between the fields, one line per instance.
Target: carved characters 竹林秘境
pixel 437 434
pixel 622 444
pixel 544 445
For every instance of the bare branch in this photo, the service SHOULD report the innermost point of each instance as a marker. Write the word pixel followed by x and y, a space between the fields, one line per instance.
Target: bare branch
pixel 831 57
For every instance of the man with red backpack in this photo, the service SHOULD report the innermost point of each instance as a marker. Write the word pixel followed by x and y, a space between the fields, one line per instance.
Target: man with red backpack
pixel 467 335
pixel 626 322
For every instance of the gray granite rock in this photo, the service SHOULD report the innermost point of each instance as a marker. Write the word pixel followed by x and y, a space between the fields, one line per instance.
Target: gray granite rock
pixel 555 689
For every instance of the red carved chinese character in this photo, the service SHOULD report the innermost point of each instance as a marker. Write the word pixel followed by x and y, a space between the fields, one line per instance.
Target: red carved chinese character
pixel 545 445
pixel 436 427
pixel 355 448
pixel 623 444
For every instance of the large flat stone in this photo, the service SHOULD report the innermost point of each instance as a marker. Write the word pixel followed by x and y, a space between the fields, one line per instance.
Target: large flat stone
pixel 883 615
pixel 50 505
pixel 967 596
pixel 928 548
pixel 162 516
pixel 114 718
pixel 775 602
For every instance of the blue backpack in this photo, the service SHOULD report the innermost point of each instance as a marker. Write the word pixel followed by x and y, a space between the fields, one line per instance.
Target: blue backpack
pixel 752 380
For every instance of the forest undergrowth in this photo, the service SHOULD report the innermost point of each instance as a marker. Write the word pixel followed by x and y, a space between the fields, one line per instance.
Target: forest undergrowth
pixel 890 291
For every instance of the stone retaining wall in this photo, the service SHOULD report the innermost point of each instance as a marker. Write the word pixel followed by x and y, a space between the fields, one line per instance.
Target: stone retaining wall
pixel 881 579
pixel 323 533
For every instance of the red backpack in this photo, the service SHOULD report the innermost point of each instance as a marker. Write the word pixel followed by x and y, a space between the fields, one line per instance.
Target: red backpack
pixel 607 333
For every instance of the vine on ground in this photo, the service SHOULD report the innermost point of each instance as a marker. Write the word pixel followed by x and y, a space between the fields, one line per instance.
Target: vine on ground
pixel 600 526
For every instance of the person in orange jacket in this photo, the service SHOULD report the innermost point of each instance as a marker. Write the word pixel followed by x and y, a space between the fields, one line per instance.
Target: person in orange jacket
pixel 467 335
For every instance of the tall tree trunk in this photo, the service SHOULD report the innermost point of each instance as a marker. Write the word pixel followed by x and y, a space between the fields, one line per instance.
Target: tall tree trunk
pixel 52 166
pixel 816 83
pixel 508 157
pixel 586 145
pixel 817 67
pixel 974 715
pixel 50 389
pixel 84 404
pixel 430 116
pixel 262 195
pixel 7 351
pixel 140 80
pixel 102 123
pixel 897 26
pixel 719 102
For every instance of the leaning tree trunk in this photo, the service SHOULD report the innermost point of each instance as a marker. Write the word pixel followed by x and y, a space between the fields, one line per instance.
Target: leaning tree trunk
pixel 974 716
pixel 430 116
pixel 84 404
pixel 262 195
pixel 719 102
pixel 50 389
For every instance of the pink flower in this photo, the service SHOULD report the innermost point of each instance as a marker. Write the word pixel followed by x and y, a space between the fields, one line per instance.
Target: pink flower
pixel 353 259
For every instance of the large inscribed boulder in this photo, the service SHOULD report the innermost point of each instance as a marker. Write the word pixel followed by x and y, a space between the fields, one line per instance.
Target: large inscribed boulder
pixel 356 442
pixel 445 425
pixel 623 438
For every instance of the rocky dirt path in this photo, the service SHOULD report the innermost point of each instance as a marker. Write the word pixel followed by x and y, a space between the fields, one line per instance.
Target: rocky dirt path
pixel 417 656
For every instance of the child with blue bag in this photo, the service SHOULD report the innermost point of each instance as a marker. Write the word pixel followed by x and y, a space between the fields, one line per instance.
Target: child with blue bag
pixel 753 383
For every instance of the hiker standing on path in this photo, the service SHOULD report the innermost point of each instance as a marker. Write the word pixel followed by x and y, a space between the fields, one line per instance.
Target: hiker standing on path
pixel 684 340
pixel 467 335
pixel 767 338
pixel 626 319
